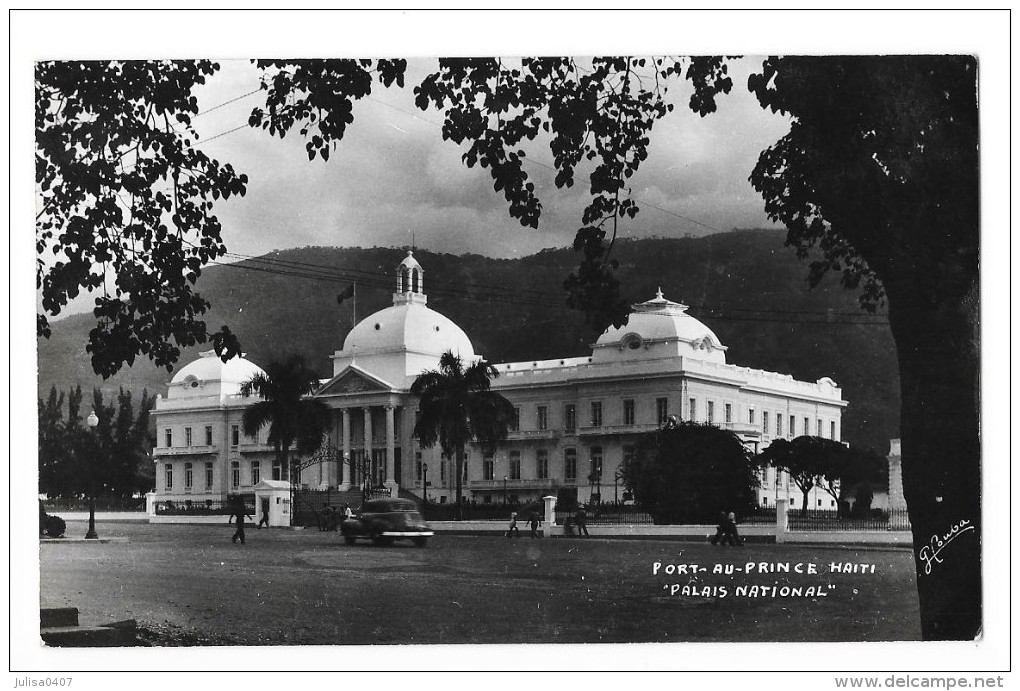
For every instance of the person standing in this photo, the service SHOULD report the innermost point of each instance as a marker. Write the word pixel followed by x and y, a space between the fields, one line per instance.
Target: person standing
pixel 535 522
pixel 240 512
pixel 513 525
pixel 582 522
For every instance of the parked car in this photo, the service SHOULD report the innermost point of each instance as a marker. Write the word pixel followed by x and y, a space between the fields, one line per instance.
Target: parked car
pixel 384 520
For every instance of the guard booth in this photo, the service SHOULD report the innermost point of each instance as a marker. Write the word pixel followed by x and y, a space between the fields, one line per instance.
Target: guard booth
pixel 273 497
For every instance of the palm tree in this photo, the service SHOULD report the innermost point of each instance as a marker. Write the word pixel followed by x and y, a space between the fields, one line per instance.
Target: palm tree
pixel 457 406
pixel 293 419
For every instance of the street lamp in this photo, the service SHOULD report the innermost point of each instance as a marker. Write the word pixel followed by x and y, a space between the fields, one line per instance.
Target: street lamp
pixel 93 421
pixel 504 490
pixel 425 481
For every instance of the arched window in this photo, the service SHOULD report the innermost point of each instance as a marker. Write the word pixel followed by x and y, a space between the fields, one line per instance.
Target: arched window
pixel 405 281
pixel 414 280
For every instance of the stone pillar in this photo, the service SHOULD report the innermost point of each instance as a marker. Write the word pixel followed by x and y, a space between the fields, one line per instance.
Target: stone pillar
pixel 391 483
pixel 345 471
pixel 782 521
pixel 550 515
pixel 368 443
pixel 896 500
pixel 150 503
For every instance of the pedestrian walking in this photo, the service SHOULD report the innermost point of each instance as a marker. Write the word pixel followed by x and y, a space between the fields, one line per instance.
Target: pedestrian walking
pixel 731 530
pixel 720 530
pixel 535 522
pixel 581 519
pixel 513 526
pixel 240 512
pixel 265 517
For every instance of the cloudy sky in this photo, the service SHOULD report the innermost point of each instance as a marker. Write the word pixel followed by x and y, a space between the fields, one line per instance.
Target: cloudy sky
pixel 393 175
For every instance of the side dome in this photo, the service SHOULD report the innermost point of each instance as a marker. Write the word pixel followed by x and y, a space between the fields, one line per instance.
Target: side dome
pixel 209 375
pixel 660 328
pixel 410 326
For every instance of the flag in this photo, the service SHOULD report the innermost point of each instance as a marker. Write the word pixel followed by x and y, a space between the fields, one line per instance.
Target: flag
pixel 344 294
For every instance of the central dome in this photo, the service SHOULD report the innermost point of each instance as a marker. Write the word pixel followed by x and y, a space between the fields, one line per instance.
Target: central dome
pixel 409 326
pixel 398 343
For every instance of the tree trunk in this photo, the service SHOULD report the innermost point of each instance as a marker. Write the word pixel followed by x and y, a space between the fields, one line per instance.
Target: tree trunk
pixel 459 484
pixel 936 339
pixel 803 505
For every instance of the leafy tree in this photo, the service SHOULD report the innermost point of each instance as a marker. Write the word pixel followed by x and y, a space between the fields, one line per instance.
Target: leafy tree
pixel 691 472
pixel 880 172
pixel 125 205
pixel 456 406
pixel 810 462
pixel 293 418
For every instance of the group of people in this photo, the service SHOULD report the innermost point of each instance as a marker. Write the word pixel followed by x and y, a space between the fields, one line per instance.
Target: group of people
pixel 534 521
pixel 726 531
pixel 329 518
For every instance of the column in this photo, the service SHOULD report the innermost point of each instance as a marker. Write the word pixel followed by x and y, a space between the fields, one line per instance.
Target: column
pixel 345 430
pixel 391 484
pixel 367 411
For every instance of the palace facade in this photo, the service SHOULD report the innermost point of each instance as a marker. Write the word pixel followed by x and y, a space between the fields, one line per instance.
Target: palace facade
pixel 577 418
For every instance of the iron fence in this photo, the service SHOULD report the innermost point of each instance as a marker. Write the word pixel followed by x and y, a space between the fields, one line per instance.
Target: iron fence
pixel 204 507
pixel 102 504
pixel 876 519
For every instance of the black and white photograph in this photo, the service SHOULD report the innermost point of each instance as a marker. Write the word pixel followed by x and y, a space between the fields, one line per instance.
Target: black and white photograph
pixel 511 341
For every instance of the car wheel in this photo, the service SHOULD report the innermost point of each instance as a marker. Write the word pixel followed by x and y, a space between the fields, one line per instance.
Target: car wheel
pixel 420 541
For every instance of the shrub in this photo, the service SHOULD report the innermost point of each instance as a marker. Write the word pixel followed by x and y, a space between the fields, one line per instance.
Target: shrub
pixel 55 526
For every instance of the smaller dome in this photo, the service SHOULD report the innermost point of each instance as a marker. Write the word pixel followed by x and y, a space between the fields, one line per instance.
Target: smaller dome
pixel 660 328
pixel 209 375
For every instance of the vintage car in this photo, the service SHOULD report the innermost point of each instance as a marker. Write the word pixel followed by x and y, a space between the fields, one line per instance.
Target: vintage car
pixel 384 520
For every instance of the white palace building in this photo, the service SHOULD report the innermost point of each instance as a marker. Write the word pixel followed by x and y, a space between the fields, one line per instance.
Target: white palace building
pixel 577 418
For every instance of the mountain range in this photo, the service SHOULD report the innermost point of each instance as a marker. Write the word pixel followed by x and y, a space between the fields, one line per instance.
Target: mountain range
pixel 745 285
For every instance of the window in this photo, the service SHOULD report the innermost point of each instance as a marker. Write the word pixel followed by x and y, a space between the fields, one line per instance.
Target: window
pixel 417 465
pixel 187 436
pixel 595 464
pixel 628 411
pixel 235 474
pixel 442 499
pixel 832 430
pixel 779 424
pixel 596 413
pixel 570 417
pixel 464 479
pixel 515 465
pixel 818 428
pixel 750 416
pixel 208 435
pixel 661 410
pixel 188 475
pixel 169 476
pixel 543 417
pixel 570 464
pixel 515 421
pixel 254 472
pixel 807 426
pixel 235 435
pixel 778 477
pixel 728 413
pixel 692 409
pixel 442 471
pixel 765 422
pixel 278 471
pixel 710 412
pixel 542 464
pixel 208 475
pixel 488 467
pixel 168 437
pixel 793 426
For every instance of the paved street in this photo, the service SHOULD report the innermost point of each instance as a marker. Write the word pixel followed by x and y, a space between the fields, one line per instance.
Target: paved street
pixel 307 587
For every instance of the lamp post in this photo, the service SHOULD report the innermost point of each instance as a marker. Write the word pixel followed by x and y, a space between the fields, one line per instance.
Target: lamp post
pixel 93 421
pixel 504 490
pixel 425 481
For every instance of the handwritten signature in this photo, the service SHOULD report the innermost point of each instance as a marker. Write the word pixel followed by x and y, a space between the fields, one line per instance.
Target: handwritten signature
pixel 929 554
